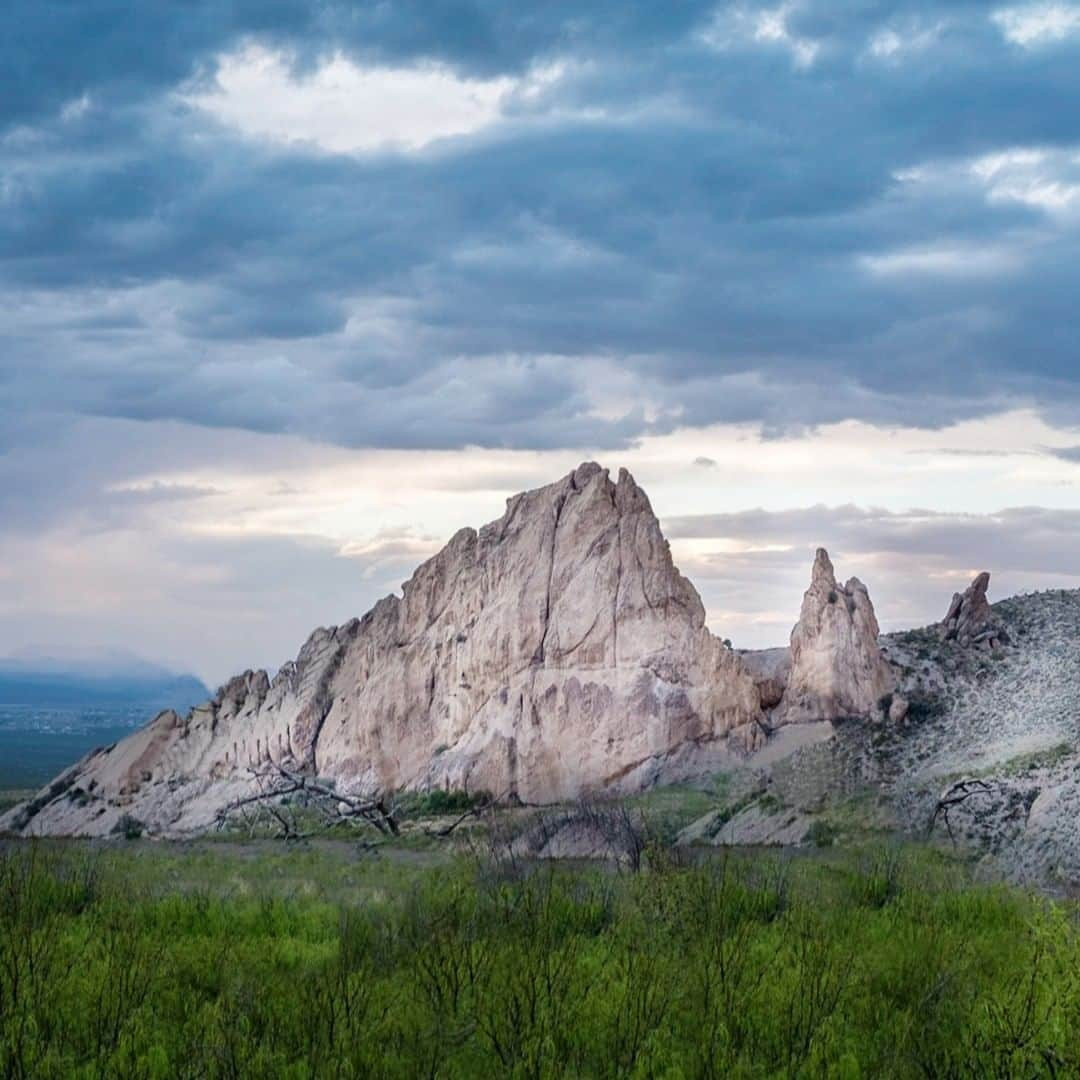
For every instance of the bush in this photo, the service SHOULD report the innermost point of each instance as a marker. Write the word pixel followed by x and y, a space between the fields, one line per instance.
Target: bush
pixel 129 827
pixel 822 834
pixel 437 801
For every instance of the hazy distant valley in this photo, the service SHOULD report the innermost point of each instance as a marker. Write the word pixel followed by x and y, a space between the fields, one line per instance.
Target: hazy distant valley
pixel 53 711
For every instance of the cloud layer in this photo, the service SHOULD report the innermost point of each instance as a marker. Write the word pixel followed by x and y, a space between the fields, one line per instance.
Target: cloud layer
pixel 454 224
pixel 752 566
pixel 244 245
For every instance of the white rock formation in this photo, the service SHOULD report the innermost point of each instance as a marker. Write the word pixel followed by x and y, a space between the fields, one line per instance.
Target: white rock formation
pixel 837 670
pixel 770 669
pixel 970 619
pixel 556 651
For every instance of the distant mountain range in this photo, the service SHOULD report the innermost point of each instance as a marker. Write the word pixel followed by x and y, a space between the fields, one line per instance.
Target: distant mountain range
pixel 111 679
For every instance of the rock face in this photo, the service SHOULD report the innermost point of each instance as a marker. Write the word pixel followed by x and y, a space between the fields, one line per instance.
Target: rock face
pixel 555 652
pixel 771 669
pixel 837 670
pixel 970 620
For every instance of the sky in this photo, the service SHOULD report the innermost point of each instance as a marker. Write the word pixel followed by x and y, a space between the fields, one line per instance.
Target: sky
pixel 291 291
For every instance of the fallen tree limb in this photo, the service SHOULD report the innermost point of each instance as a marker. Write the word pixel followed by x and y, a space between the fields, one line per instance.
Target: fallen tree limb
pixel 277 786
pixel 473 811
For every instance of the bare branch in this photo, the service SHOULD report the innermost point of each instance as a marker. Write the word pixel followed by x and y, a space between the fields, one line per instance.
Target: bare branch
pixel 955 796
pixel 473 811
pixel 275 789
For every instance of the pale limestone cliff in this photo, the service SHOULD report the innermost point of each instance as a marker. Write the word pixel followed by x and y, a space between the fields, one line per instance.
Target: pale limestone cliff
pixel 555 652
pixel 837 669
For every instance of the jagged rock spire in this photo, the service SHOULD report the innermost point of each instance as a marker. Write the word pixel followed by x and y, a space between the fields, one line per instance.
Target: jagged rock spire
pixel 837 670
pixel 970 620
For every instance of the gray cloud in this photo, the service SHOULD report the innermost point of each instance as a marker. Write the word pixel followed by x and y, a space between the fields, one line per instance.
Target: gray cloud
pixel 693 223
pixel 1021 539
pixel 912 561
pixel 215 605
pixel 1065 453
pixel 709 240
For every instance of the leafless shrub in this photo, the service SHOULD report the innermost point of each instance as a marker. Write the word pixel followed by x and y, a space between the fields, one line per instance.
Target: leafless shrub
pixel 955 795
pixel 606 830
pixel 280 792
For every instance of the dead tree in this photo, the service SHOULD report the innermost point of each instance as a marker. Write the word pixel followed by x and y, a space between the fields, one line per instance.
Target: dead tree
pixel 279 791
pixel 954 796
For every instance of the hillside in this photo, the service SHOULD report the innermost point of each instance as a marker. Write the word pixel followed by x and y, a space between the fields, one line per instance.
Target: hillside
pixel 996 731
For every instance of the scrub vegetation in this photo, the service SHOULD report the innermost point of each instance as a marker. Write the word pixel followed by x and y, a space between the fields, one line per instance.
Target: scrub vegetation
pixel 247 960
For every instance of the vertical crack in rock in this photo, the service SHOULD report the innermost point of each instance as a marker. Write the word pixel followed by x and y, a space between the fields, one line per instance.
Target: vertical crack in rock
pixel 617 591
pixel 560 503
pixel 323 699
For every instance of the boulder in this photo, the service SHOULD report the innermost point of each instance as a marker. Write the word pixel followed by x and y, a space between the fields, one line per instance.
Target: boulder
pixel 770 669
pixel 899 707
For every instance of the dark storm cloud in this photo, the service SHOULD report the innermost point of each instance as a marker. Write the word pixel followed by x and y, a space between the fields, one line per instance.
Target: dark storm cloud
pixel 778 226
pixel 56 50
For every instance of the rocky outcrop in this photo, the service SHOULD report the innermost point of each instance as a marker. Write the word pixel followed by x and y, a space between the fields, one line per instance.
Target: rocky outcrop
pixel 837 669
pixel 770 670
pixel 553 653
pixel 970 620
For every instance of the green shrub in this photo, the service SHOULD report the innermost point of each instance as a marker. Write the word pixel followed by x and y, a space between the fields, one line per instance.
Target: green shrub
pixel 437 801
pixel 129 827
pixel 822 833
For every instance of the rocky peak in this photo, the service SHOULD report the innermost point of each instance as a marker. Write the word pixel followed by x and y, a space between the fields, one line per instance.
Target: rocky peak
pixel 970 620
pixel 837 669
pixel 554 652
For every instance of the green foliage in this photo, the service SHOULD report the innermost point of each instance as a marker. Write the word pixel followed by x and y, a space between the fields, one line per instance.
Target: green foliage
pixel 822 833
pixel 129 827
pixel 1039 759
pixel 888 963
pixel 435 802
pixel 668 810
pixel 924 707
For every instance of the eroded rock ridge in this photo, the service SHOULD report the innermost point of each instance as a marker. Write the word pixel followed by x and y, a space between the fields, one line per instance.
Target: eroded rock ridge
pixel 553 653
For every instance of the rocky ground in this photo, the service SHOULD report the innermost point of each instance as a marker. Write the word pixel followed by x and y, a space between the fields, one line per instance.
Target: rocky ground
pixel 993 735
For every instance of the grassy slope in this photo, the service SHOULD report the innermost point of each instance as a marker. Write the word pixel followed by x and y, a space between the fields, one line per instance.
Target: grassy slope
pixel 228 959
